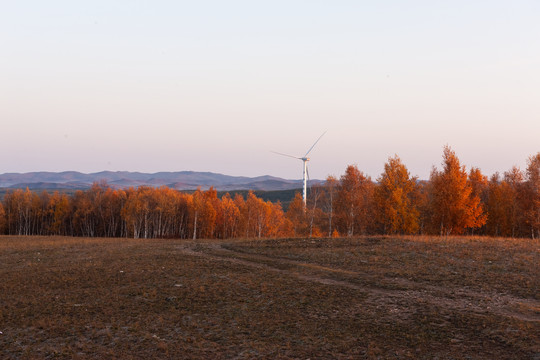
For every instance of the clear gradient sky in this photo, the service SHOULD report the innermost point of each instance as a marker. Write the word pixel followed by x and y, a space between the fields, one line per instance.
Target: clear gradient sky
pixel 216 85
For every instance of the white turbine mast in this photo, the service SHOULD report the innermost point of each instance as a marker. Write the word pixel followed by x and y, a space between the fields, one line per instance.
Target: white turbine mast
pixel 305 172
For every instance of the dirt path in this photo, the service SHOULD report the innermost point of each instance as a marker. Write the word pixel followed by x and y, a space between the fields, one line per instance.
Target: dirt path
pixel 462 300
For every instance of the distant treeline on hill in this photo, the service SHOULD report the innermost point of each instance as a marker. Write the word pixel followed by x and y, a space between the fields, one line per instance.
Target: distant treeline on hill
pixel 283 196
pixel 180 180
pixel 453 201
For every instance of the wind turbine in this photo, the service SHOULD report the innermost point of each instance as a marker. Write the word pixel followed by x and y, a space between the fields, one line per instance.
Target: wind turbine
pixel 304 159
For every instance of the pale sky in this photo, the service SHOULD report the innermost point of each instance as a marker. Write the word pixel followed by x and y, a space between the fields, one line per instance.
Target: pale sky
pixel 216 85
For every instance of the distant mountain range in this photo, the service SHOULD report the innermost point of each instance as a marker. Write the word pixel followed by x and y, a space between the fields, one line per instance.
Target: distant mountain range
pixel 182 180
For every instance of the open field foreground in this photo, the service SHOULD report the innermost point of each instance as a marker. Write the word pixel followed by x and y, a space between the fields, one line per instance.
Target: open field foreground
pixel 388 298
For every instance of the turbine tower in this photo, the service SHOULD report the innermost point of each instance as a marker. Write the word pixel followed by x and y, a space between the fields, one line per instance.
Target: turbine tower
pixel 305 172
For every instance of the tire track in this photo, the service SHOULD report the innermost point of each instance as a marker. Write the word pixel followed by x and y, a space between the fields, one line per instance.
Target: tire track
pixel 463 300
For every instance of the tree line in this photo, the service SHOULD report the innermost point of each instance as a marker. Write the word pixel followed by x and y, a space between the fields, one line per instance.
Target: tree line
pixel 453 201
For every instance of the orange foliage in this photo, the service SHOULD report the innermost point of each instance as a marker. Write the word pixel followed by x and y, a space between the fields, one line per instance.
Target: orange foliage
pixel 328 202
pixel 395 197
pixel 452 202
pixel 297 216
pixel 454 207
pixel 354 202
pixel 228 218
pixel 532 206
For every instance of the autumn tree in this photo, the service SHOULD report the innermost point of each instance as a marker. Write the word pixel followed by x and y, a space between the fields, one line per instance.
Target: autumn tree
pixel 270 219
pixel 196 208
pixel 532 206
pixel 316 217
pixel 421 199
pixel 110 212
pixel 499 207
pixel 2 218
pixel 203 213
pixel 255 211
pixel 228 218
pixel 276 223
pixel 208 215
pixel 258 218
pixel 395 197
pixel 296 214
pixel 354 200
pixel 479 188
pixel 22 211
pixel 328 202
pixel 180 215
pixel 516 199
pixel 94 196
pixel 135 212
pixel 59 207
pixel 454 208
pixel 479 183
pixel 243 216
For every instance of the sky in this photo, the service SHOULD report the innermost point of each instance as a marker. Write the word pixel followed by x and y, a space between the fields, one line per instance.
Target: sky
pixel 217 85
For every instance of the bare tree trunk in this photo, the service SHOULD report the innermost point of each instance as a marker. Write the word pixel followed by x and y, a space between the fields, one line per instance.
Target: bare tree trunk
pixel 195 226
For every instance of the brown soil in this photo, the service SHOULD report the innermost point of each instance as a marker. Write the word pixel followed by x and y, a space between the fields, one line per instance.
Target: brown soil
pixel 396 298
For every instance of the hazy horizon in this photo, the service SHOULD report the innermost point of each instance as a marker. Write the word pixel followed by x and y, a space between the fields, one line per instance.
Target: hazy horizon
pixel 141 172
pixel 216 86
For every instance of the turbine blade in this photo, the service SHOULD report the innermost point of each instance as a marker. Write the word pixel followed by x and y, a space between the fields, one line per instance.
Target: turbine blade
pixel 294 157
pixel 312 146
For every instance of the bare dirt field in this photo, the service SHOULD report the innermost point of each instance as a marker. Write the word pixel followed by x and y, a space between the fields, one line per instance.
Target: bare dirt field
pixel 363 298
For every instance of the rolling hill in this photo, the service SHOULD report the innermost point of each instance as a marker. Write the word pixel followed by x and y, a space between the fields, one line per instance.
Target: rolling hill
pixel 182 180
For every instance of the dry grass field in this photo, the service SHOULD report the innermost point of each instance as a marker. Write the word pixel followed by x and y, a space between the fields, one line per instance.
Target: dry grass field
pixel 364 298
